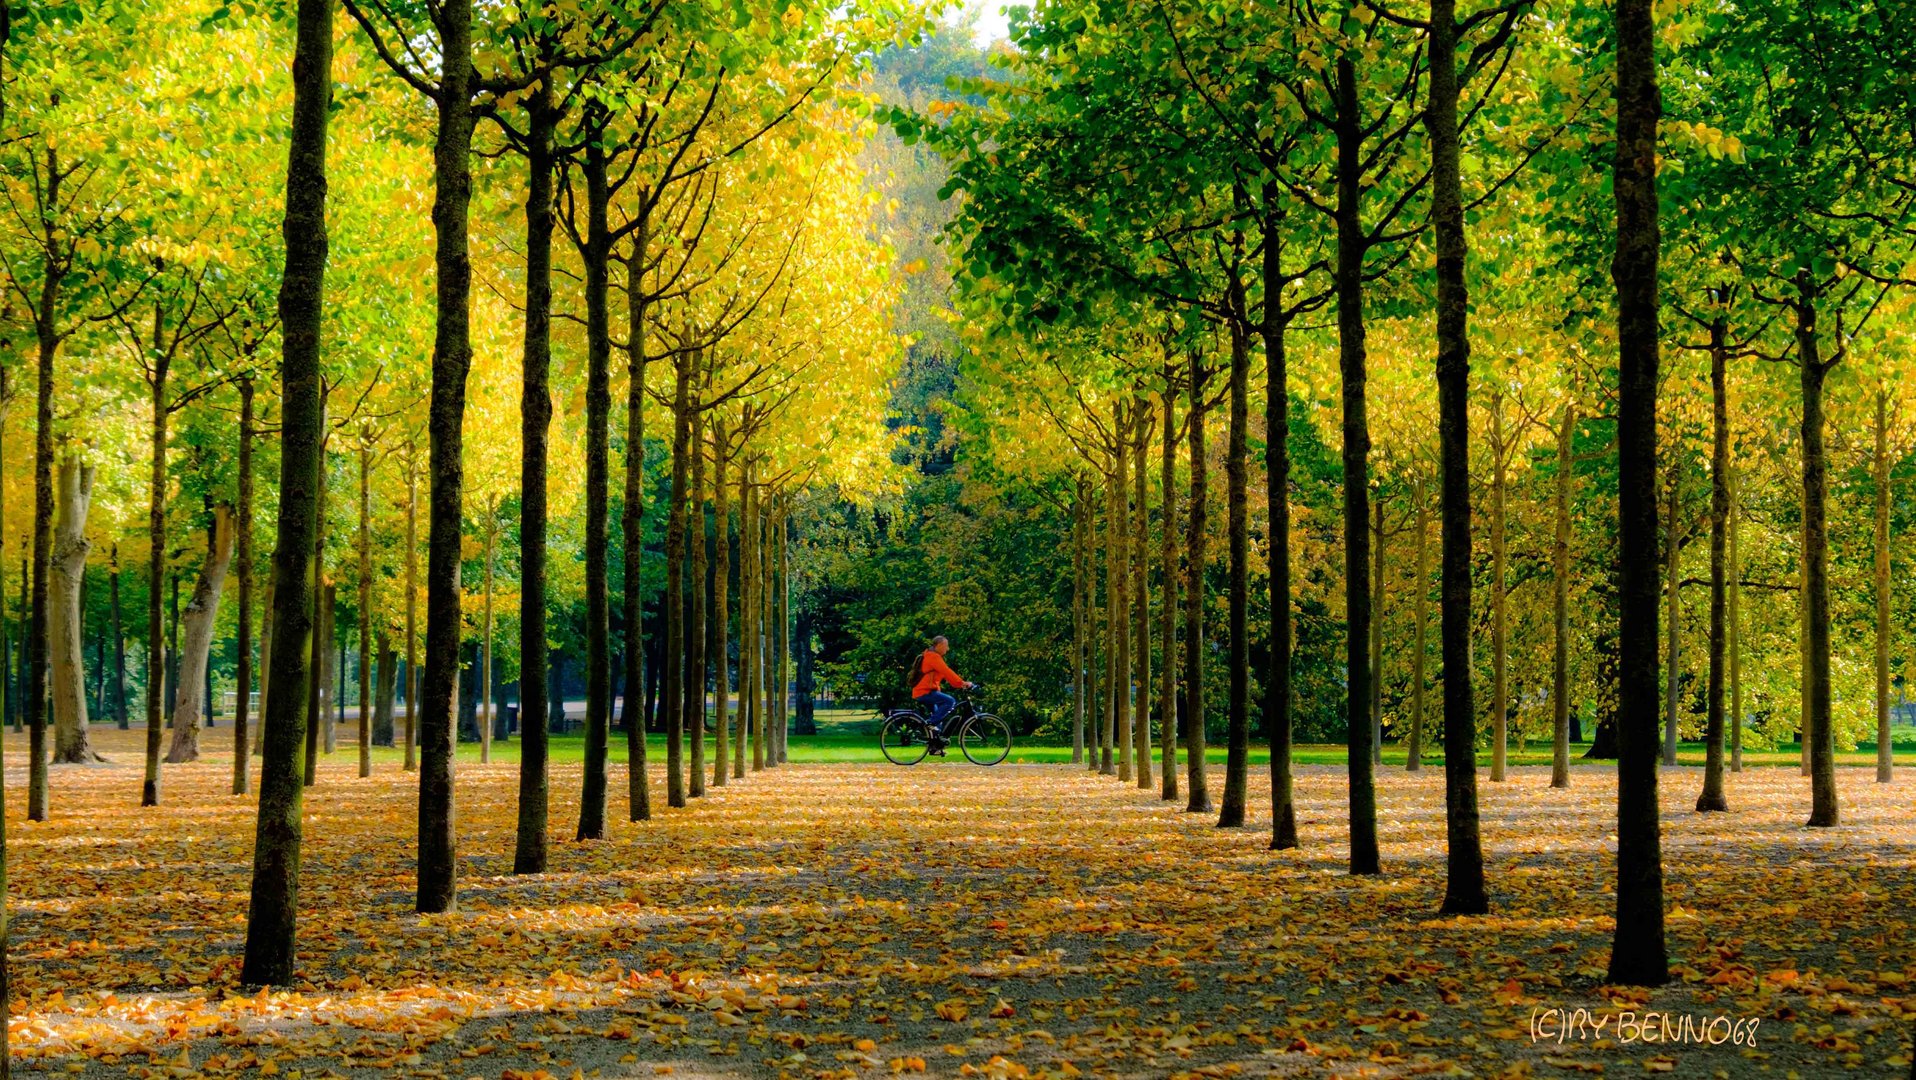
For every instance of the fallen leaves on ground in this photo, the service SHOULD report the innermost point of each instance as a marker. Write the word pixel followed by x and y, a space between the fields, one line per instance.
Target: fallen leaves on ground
pixel 846 921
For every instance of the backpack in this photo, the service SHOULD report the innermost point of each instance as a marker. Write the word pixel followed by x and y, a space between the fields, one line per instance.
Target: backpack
pixel 915 672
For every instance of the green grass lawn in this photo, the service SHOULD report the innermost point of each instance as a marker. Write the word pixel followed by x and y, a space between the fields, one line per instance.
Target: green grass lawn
pixel 847 736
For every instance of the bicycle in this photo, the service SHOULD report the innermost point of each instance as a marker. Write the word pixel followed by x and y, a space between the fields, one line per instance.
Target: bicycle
pixel 983 738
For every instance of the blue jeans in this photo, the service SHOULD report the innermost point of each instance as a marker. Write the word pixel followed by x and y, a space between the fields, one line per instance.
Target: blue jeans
pixel 941 705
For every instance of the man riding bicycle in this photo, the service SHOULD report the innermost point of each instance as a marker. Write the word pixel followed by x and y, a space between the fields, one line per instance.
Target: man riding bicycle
pixel 928 673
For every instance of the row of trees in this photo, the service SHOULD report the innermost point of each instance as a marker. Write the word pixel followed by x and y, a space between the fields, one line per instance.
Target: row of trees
pixel 699 166
pixel 1160 198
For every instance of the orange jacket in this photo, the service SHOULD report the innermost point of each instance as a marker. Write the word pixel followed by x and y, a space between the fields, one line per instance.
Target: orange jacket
pixel 932 671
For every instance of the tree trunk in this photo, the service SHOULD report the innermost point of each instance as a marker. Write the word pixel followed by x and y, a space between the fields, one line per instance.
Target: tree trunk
pixel 1499 597
pixel 451 360
pixel 485 632
pixel 365 584
pixel 66 615
pixel 1352 363
pixel 721 606
pixel 1278 694
pixel 243 554
pixel 804 710
pixel 1824 811
pixel 747 621
pixel 672 693
pixel 383 691
pixel 26 633
pixel 1198 524
pixel 1637 955
pixel 597 256
pixel 272 913
pixel 316 686
pixel 412 604
pixel 155 599
pixel 530 852
pixel 1673 628
pixel 696 630
pixel 1885 751
pixel 1560 605
pixel 1464 862
pixel 1237 500
pixel 767 617
pixel 783 601
pixel 1420 618
pixel 1117 621
pixel 265 657
pixel 1141 600
pixel 755 689
pixel 1736 629
pixel 1379 577
pixel 1079 671
pixel 1168 599
pixel 1711 797
pixel 637 684
pixel 201 614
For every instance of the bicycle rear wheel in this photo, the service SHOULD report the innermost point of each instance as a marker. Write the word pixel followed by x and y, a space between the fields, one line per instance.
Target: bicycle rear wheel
pixel 903 738
pixel 986 740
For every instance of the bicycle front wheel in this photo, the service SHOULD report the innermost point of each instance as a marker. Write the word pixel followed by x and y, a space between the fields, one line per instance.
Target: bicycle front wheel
pixel 903 739
pixel 986 740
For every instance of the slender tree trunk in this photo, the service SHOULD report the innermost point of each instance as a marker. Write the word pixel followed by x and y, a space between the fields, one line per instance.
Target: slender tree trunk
pixel 315 686
pixel 597 256
pixel 1237 499
pixel 1378 580
pixel 485 631
pixel 1352 363
pixel 1420 617
pixel 1278 694
pixel 365 584
pixel 1196 527
pixel 721 604
pixel 1804 693
pixel 412 603
pixel 243 556
pixel 767 617
pixel 1464 891
pixel 1141 599
pixel 66 615
pixel 155 574
pixel 1637 955
pixel 1673 628
pixel 696 630
pixel 1885 751
pixel 530 844
pixel 1736 628
pixel 1499 596
pixel 1711 797
pixel 265 658
pixel 1079 671
pixel 756 688
pixel 119 640
pixel 201 614
pixel 672 692
pixel 452 359
pixel 783 602
pixel 1168 601
pixel 747 621
pixel 1560 605
pixel 1117 663
pixel 1824 810
pixel 383 689
pixel 272 913
pixel 638 780
pixel 23 670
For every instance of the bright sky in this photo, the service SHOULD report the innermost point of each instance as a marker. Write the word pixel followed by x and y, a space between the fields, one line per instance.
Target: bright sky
pixel 991 18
